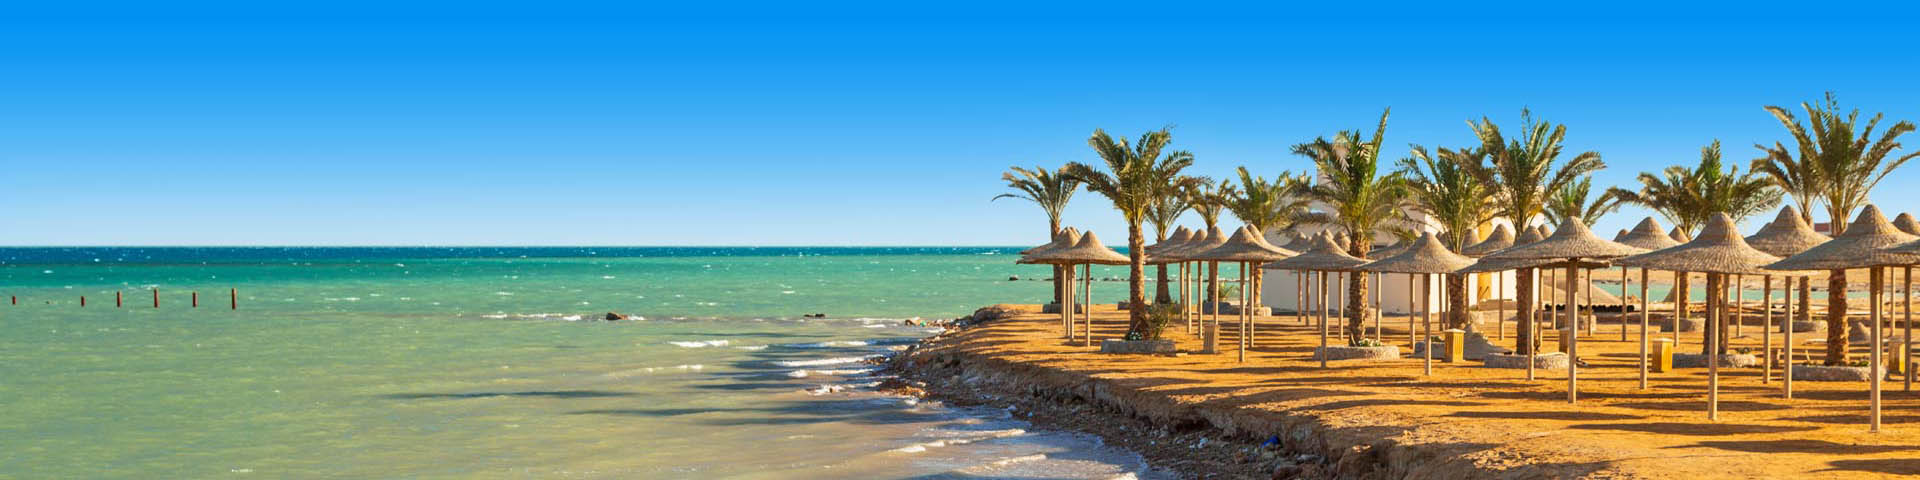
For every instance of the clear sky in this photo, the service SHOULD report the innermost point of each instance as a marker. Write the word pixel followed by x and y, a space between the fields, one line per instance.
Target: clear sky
pixel 556 123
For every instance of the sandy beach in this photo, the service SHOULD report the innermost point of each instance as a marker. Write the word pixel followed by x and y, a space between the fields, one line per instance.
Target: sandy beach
pixel 1385 420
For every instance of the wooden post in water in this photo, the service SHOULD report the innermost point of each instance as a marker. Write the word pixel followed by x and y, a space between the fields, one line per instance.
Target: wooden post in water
pixel 117 301
pixel 156 297
pixel 196 299
pixel 83 301
pixel 233 296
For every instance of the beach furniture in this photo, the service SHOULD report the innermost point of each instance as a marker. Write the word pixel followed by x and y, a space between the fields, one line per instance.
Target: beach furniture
pixel 1065 238
pixel 1571 244
pixel 1863 245
pixel 1086 252
pixel 1248 248
pixel 1787 235
pixel 1425 257
pixel 1719 251
pixel 1645 235
pixel 1323 257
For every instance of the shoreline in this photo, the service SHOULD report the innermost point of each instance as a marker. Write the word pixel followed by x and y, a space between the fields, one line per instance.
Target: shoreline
pixel 1386 420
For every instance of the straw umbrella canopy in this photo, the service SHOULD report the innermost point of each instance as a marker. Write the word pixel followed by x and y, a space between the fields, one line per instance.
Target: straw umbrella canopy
pixel 1087 251
pixel 1192 283
pixel 1500 239
pixel 1324 256
pixel 1906 347
pixel 1906 224
pixel 1647 235
pixel 1426 257
pixel 1246 248
pixel 1864 244
pixel 1179 236
pixel 1718 251
pixel 1065 238
pixel 1572 242
pixel 1786 236
pixel 1678 235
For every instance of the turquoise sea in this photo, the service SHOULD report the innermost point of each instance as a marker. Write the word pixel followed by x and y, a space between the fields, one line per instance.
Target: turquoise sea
pixel 465 362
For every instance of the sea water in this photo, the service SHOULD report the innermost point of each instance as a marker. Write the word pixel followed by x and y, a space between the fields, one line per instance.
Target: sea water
pixel 493 362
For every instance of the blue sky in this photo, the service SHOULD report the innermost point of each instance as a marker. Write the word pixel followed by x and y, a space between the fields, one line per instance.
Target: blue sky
pixel 582 124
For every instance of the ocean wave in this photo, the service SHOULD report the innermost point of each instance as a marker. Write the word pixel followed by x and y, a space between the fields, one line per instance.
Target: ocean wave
pixel 535 316
pixel 650 370
pixel 825 361
pixel 701 343
pixel 752 347
pixel 828 344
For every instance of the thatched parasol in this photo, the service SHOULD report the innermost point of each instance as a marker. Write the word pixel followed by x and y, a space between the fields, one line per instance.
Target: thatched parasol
pixel 1425 256
pixel 1202 240
pixel 1647 235
pixel 1864 244
pixel 1906 350
pixel 1906 224
pixel 1786 236
pixel 1500 239
pixel 1179 236
pixel 1718 251
pixel 1678 235
pixel 1572 242
pixel 1246 248
pixel 1088 251
pixel 1324 256
pixel 1065 238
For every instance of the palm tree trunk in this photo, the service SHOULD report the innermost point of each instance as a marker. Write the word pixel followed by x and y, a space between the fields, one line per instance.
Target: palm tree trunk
pixel 1163 296
pixel 1059 284
pixel 1837 317
pixel 1259 281
pixel 1806 300
pixel 1715 293
pixel 1356 306
pixel 1136 280
pixel 1456 301
pixel 1524 343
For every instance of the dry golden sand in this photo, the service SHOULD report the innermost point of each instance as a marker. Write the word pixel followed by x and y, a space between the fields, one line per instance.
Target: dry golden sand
pixel 1470 421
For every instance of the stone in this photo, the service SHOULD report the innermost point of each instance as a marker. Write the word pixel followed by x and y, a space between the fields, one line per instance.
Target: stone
pixel 1823 373
pixel 1054 308
pixel 1805 326
pixel 1478 347
pixel 1544 361
pixel 1686 325
pixel 1732 360
pixel 1136 346
pixel 1013 278
pixel 1388 352
pixel 612 316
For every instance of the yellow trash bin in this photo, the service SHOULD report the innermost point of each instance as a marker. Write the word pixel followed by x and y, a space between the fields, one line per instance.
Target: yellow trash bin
pixel 1662 353
pixel 1456 345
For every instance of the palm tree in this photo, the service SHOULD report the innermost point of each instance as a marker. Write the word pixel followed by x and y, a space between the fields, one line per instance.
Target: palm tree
pixel 1689 197
pixel 1163 213
pixel 1360 198
pixel 1571 201
pixel 1842 168
pixel 1136 175
pixel 1444 188
pixel 1265 205
pixel 1522 173
pixel 1051 191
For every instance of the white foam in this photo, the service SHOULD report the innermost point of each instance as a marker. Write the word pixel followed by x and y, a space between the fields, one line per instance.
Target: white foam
pixel 828 344
pixel 797 374
pixel 701 343
pixel 824 361
pixel 504 294
pixel 752 347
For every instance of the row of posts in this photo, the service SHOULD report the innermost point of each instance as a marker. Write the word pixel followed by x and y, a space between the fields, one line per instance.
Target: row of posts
pixel 233 299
